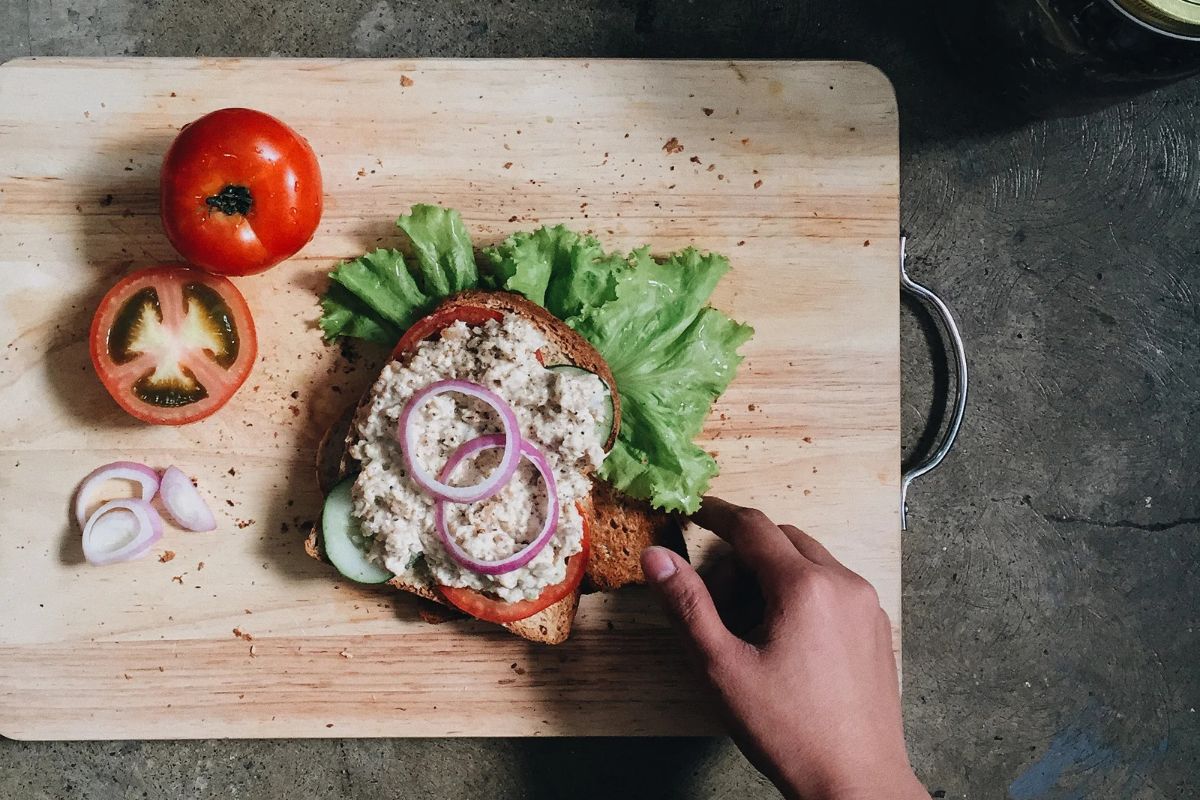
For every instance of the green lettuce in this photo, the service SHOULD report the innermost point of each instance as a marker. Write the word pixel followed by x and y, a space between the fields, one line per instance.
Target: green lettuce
pixel 343 313
pixel 442 248
pixel 556 268
pixel 377 296
pixel 671 353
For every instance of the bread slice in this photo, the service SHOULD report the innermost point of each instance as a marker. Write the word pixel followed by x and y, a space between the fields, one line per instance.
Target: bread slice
pixel 619 527
pixel 551 625
pixel 332 462
pixel 622 528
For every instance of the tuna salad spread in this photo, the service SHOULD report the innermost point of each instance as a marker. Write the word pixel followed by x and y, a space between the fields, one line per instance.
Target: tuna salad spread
pixel 559 412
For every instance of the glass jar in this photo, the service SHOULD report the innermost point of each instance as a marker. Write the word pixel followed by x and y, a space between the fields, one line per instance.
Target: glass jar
pixel 1054 57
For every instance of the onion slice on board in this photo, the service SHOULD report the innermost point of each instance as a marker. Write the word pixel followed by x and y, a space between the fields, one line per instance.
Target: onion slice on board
pixel 407 435
pixel 526 553
pixel 183 502
pixel 118 470
pixel 120 530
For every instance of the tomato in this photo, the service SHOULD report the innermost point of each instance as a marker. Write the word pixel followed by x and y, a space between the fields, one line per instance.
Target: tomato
pixel 240 192
pixel 489 609
pixel 172 344
pixel 426 327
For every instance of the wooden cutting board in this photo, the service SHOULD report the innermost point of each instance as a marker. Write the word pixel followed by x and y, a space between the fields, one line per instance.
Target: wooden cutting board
pixel 789 168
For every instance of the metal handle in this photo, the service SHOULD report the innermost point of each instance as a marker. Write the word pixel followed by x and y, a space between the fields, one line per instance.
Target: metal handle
pixel 960 401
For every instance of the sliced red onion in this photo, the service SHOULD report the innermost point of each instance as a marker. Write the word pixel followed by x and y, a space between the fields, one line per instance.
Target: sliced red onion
pixel 526 553
pixel 183 502
pixel 407 436
pixel 118 470
pixel 120 530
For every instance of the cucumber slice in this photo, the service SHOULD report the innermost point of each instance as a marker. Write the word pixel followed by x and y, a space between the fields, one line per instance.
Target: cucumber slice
pixel 606 413
pixel 344 542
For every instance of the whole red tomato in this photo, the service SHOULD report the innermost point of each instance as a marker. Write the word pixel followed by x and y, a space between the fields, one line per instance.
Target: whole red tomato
pixel 241 191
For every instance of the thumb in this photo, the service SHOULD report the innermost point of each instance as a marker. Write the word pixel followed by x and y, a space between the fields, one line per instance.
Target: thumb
pixel 687 601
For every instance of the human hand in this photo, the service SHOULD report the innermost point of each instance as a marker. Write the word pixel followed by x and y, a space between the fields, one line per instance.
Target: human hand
pixel 800 654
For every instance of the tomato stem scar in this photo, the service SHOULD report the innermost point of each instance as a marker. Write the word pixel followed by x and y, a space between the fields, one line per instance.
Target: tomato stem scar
pixel 231 200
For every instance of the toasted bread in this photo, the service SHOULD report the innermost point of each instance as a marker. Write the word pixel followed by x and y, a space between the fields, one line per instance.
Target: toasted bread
pixel 622 528
pixel 332 462
pixel 619 526
pixel 551 625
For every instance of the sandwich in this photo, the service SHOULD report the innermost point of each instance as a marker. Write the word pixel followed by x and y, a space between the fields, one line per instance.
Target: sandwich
pixel 531 432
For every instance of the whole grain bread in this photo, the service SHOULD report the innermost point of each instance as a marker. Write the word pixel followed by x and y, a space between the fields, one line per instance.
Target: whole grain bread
pixel 551 625
pixel 622 528
pixel 619 527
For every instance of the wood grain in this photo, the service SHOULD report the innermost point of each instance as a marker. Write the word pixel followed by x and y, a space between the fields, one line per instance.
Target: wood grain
pixel 809 430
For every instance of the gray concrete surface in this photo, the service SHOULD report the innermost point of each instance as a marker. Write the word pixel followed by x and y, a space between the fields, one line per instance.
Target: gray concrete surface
pixel 1051 587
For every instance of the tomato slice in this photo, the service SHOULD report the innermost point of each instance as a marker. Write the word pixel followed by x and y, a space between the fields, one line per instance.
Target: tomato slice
pixel 172 344
pixel 427 326
pixel 489 609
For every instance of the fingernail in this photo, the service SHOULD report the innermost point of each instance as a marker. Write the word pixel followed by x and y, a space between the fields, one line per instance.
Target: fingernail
pixel 657 564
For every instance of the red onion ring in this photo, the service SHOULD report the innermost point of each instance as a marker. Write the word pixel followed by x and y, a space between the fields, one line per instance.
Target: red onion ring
pixel 460 494
pixel 525 554
pixel 120 530
pixel 118 470
pixel 183 502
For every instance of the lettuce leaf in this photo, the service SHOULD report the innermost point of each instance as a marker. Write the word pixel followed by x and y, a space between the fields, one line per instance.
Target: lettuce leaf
pixel 382 282
pixel 377 296
pixel 672 355
pixel 670 352
pixel 442 248
pixel 345 314
pixel 556 268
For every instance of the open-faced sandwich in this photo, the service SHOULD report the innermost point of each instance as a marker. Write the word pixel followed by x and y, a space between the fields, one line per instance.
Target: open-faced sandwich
pixel 532 431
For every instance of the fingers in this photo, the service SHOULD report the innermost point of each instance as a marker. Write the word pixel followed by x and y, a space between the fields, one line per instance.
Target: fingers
pixel 761 545
pixel 721 579
pixel 737 595
pixel 809 547
pixel 887 663
pixel 883 629
pixel 687 603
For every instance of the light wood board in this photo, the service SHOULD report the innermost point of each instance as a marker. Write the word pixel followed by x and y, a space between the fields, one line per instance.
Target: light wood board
pixel 809 430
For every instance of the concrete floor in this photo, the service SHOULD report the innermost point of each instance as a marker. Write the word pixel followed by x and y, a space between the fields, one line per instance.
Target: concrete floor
pixel 1051 588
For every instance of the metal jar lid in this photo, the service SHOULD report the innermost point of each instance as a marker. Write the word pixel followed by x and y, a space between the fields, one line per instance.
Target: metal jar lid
pixel 1176 18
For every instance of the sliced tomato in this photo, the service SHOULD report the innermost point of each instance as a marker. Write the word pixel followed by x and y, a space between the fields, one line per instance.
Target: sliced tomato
pixel 427 326
pixel 490 609
pixel 172 344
